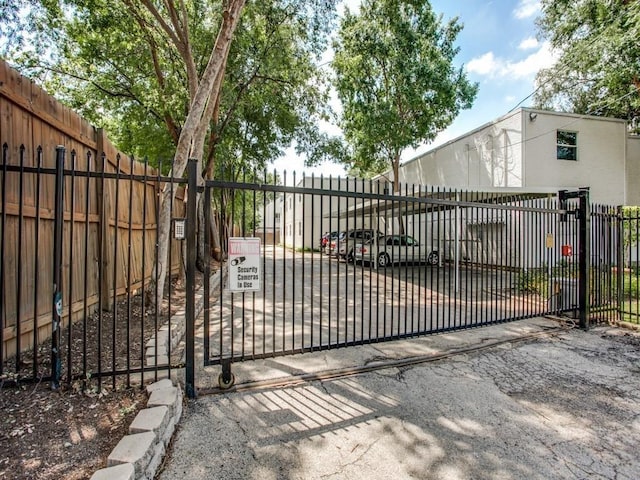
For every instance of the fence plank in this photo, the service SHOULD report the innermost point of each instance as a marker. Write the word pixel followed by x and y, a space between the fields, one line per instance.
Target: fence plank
pixel 18 90
pixel 31 117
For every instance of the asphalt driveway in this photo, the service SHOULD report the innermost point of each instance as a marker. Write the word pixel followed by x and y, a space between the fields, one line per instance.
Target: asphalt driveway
pixel 524 400
pixel 310 301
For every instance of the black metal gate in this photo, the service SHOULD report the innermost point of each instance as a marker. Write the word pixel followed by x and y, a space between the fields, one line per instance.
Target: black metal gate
pixel 417 262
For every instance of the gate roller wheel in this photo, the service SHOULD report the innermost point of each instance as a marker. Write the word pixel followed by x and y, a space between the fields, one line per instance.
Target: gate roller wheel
pixel 225 385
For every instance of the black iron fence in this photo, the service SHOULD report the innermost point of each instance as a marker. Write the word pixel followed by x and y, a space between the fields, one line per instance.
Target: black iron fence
pixel 626 281
pixel 78 249
pixel 358 264
pixel 78 244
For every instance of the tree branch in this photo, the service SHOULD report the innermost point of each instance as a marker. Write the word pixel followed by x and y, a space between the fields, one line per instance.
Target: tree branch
pixel 176 35
pixel 161 22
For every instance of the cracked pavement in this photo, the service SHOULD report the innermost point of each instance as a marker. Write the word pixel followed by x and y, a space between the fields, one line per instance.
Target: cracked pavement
pixel 563 406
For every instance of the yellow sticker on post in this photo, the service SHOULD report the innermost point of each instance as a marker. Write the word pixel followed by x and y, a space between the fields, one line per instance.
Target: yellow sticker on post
pixel 245 272
pixel 549 240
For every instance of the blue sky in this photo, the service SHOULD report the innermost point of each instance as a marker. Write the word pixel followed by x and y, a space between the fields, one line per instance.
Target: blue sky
pixel 499 50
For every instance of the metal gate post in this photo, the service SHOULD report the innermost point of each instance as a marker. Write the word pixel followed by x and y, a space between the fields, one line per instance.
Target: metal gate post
pixel 620 260
pixel 584 258
pixel 192 170
pixel 56 321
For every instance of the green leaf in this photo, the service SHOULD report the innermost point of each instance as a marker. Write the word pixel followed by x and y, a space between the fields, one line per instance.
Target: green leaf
pixel 396 79
pixel 597 71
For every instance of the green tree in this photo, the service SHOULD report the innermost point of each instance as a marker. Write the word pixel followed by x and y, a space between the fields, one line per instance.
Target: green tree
pixel 598 69
pixel 123 70
pixel 64 29
pixel 9 27
pixel 142 70
pixel 395 77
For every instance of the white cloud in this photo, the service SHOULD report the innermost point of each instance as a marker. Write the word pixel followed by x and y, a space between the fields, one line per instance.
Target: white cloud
pixel 484 65
pixel 528 43
pixel 526 9
pixel 543 58
pixel 494 67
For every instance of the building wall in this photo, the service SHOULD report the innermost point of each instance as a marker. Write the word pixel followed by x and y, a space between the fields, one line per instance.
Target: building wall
pixel 305 217
pixel 499 154
pixel 520 150
pixel 515 238
pixel 633 171
pixel 490 156
pixel 515 151
pixel 601 154
pixel 269 228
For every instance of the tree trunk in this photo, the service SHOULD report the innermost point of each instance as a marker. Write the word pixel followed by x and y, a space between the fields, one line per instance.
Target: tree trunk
pixel 214 232
pixel 209 120
pixel 396 189
pixel 205 93
pixel 202 256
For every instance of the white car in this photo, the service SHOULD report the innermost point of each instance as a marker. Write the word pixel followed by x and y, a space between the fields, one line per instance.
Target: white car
pixel 393 249
pixel 347 240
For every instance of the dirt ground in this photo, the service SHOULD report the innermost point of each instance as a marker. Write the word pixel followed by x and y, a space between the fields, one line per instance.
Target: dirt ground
pixel 69 433
pixel 65 434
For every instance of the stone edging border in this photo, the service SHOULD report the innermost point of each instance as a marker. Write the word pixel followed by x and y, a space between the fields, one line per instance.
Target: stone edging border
pixel 139 454
pixel 172 332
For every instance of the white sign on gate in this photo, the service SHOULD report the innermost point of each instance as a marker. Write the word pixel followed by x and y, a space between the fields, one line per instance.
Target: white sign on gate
pixel 245 274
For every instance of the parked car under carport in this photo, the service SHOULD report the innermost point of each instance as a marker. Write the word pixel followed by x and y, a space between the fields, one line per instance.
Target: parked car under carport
pixel 390 250
pixel 347 241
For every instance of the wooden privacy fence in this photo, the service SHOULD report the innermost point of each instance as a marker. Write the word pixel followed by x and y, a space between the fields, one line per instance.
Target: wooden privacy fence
pixel 110 216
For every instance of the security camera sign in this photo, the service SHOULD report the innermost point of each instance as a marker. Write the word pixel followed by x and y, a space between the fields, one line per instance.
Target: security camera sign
pixel 245 274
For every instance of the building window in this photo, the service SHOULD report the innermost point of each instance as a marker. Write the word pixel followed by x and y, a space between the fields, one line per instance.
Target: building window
pixel 299 228
pixel 566 145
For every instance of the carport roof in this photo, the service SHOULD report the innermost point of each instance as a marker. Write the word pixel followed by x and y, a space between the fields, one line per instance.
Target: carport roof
pixel 438 199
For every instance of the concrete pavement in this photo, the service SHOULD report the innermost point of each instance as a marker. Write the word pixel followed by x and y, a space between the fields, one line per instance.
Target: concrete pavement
pixel 519 400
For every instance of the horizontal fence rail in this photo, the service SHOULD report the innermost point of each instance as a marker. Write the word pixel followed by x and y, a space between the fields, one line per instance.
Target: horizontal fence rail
pixel 464 259
pixel 77 255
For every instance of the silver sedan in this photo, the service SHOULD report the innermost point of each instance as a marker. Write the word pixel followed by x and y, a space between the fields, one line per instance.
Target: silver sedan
pixel 394 249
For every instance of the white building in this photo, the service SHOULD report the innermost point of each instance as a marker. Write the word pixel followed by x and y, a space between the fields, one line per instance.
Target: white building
pixel 536 150
pixel 526 153
pixel 303 218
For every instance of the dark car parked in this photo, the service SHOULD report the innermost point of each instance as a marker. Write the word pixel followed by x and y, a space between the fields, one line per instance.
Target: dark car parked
pixel 326 239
